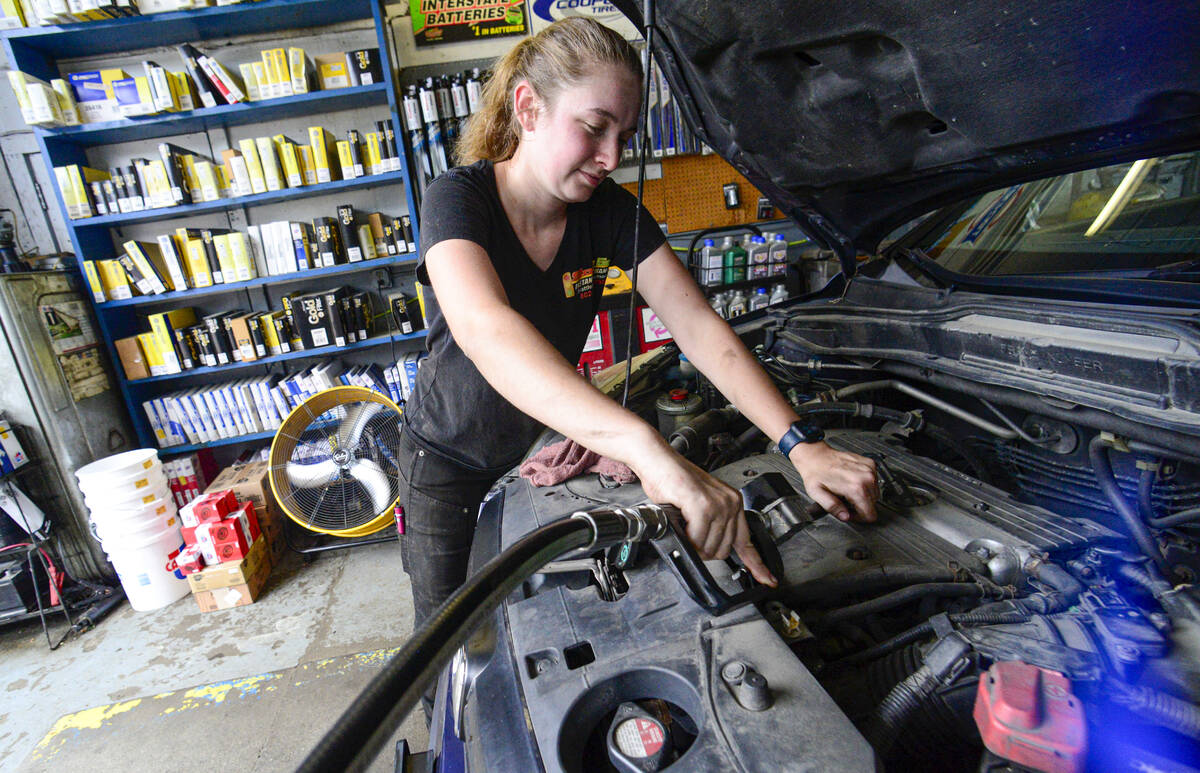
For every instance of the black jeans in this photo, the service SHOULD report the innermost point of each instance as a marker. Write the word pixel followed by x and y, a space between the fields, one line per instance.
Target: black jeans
pixel 441 501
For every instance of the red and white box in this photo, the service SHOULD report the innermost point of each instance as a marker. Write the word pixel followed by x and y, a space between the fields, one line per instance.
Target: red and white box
pixel 249 519
pixel 190 560
pixel 211 507
pixel 225 540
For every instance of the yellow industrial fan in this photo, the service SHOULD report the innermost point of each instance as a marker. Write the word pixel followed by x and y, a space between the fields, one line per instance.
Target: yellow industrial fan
pixel 333 462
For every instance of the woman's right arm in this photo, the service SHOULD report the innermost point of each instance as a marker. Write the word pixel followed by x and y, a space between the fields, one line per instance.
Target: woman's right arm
pixel 547 387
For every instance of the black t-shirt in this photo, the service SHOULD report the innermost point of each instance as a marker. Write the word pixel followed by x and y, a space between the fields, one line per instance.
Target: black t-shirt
pixel 453 411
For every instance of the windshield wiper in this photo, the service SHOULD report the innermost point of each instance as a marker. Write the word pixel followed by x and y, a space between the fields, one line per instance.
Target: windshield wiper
pixel 924 265
pixel 1188 269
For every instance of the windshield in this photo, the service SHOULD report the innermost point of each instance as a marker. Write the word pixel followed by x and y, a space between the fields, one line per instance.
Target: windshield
pixel 1134 219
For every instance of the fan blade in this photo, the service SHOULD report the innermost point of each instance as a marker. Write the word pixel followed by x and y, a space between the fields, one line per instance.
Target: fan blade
pixel 351 427
pixel 312 475
pixel 374 480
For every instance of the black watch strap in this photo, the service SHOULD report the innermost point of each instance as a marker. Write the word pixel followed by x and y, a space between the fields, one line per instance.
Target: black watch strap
pixel 799 432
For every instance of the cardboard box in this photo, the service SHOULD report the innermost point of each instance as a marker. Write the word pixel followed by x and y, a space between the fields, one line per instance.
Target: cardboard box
pixel 234 595
pixel 233 573
pixel 130 353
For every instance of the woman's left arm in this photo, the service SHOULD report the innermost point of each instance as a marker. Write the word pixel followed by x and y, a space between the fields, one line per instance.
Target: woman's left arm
pixel 832 478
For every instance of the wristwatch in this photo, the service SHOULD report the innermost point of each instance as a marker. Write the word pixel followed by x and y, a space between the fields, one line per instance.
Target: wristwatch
pixel 799 432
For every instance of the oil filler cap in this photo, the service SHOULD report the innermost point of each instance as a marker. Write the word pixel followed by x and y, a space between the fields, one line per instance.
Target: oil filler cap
pixel 637 741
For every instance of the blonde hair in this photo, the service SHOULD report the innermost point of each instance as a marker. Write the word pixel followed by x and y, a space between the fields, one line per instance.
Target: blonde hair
pixel 560 55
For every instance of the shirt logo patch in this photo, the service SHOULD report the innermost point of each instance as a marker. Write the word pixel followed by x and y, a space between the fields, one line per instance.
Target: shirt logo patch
pixel 579 284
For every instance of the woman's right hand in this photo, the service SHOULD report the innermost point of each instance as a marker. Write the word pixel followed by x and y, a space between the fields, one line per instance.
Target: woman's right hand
pixel 711 510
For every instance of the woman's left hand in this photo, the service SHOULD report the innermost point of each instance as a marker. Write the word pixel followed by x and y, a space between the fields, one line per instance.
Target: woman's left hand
pixel 835 479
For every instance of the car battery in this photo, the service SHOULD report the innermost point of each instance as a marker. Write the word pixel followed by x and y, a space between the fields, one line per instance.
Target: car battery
pixel 19 588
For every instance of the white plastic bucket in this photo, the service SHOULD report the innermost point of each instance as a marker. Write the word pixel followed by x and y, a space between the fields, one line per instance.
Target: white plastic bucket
pixel 127 500
pixel 124 485
pixel 115 525
pixel 142 566
pixel 118 465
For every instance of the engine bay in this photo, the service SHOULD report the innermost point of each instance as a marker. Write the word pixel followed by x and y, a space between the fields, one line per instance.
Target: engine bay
pixel 997 616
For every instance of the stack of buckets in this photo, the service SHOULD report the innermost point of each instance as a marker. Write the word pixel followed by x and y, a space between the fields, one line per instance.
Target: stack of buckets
pixel 134 517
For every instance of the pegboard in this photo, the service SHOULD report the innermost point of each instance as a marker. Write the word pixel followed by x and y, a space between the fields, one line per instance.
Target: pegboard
pixel 653 197
pixel 690 191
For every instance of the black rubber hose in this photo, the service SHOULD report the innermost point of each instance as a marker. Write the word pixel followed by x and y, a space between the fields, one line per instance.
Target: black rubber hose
pixel 368 724
pixel 1177 519
pixel 1165 442
pixel 862 410
pixel 914 691
pixel 1098 454
pixel 1157 707
pixel 901 597
pixel 1136 575
pixel 893 712
pixel 1145 489
pixel 963 620
pixel 1066 589
pixel 1146 505
pixel 871 581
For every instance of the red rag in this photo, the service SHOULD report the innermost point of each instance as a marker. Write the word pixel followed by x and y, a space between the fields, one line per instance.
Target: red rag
pixel 566 459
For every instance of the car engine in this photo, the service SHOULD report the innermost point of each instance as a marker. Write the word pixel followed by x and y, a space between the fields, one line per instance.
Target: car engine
pixel 998 616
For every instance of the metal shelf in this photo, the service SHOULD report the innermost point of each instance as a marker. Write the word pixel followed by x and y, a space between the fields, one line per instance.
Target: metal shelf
pixel 321 351
pixel 221 205
pixel 194 121
pixel 176 450
pixel 163 29
pixel 37 51
pixel 233 287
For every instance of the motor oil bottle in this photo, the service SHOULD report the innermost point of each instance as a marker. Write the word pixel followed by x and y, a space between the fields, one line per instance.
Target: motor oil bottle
pixel 718 304
pixel 737 304
pixel 778 293
pixel 733 261
pixel 760 299
pixel 709 270
pixel 777 249
pixel 756 253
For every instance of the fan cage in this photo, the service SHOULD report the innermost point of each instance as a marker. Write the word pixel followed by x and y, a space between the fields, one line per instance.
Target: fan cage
pixel 333 462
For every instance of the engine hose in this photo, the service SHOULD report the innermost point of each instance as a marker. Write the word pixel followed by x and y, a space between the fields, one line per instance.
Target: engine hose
pixel 1157 707
pixel 961 619
pixel 861 583
pixel 739 445
pixel 901 597
pixel 1146 505
pixel 1066 588
pixel 1176 519
pixel 873 386
pixel 906 419
pixel 1098 454
pixel 1136 575
pixel 912 693
pixel 374 715
pixel 1163 442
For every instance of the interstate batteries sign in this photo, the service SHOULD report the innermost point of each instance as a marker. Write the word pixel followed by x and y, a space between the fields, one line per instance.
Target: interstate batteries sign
pixel 455 21
pixel 547 11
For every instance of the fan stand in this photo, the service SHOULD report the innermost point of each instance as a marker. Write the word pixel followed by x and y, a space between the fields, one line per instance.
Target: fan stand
pixel 323 543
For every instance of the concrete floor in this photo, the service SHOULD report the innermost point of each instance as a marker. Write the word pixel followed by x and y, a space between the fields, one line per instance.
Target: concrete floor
pixel 248 689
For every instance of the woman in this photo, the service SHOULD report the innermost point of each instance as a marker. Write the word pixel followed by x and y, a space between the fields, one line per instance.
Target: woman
pixel 516 247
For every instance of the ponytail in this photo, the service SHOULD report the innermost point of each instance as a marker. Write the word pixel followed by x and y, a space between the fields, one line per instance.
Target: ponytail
pixel 560 55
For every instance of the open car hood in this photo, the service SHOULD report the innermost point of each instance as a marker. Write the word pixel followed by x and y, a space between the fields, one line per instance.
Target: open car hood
pixel 855 117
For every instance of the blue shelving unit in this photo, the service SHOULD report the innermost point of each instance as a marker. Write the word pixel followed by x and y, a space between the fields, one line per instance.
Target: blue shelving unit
pixel 319 353
pixel 36 51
